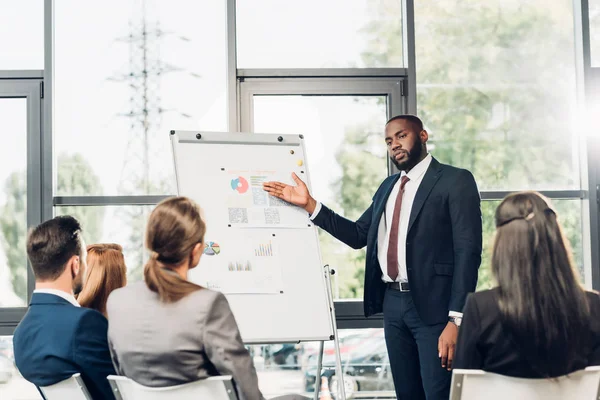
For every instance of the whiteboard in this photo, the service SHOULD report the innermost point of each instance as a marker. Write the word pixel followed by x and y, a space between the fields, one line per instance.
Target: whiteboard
pixel 261 252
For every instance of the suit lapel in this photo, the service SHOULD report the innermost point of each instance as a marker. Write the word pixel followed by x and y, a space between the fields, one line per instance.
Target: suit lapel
pixel 431 177
pixel 382 200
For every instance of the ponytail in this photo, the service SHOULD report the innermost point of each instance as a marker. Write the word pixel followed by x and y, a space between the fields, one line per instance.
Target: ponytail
pixel 164 281
pixel 174 229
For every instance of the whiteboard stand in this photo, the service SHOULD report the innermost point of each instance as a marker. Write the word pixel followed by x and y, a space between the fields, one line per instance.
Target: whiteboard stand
pixel 341 394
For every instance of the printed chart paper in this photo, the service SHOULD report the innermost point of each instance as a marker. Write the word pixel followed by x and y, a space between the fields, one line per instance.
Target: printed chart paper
pixel 249 206
pixel 240 264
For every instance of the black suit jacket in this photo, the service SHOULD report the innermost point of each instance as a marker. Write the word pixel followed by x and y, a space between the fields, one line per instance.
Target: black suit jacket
pixel 55 340
pixel 443 245
pixel 483 342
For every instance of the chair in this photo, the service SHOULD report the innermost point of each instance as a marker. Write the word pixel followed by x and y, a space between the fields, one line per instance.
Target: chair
pixel 470 384
pixel 71 388
pixel 213 388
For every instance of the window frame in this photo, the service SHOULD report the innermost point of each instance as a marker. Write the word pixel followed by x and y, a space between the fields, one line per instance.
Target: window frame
pixel 349 313
pixel 26 84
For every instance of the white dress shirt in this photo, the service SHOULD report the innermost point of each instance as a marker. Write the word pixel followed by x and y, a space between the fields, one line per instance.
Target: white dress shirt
pixel 415 176
pixel 67 296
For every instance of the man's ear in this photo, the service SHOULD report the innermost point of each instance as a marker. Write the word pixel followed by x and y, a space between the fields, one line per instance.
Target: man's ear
pixel 73 265
pixel 424 136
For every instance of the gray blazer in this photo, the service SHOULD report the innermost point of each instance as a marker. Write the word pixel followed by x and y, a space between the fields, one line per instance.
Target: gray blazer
pixel 158 344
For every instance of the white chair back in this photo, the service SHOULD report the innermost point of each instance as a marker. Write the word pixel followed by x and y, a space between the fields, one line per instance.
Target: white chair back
pixel 71 388
pixel 476 384
pixel 213 388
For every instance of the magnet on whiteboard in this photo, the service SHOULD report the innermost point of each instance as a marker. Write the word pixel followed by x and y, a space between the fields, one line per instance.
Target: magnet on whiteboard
pixel 299 163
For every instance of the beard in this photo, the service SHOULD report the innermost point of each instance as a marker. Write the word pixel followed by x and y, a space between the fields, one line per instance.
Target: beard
pixel 411 159
pixel 78 283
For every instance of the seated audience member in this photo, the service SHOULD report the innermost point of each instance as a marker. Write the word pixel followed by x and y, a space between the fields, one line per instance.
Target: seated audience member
pixel 106 271
pixel 57 338
pixel 538 322
pixel 167 330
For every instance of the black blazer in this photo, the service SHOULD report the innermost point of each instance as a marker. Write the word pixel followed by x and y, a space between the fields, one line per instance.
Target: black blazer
pixel 483 343
pixel 55 340
pixel 443 245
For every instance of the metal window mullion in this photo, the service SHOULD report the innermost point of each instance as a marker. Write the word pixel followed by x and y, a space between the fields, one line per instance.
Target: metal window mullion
pixel 21 74
pixel 333 73
pixel 34 167
pixel 47 148
pixel 409 41
pixel 489 195
pixel 232 93
pixel 90 201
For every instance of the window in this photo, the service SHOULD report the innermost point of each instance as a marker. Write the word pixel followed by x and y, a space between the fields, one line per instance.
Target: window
pixel 318 34
pixel 22 35
pixel 594 13
pixel 569 216
pixel 126 73
pixel 12 385
pixel 124 225
pixel 292 367
pixel 501 103
pixel 342 120
pixel 346 159
pixel 13 202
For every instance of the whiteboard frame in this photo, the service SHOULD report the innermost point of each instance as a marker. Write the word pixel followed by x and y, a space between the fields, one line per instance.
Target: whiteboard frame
pixel 212 137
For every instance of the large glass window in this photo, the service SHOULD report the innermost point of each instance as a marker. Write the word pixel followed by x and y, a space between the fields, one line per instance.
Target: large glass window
pixel 12 385
pixel 21 34
pixel 292 367
pixel 594 13
pixel 13 202
pixel 501 103
pixel 346 159
pixel 125 74
pixel 569 216
pixel 124 225
pixel 319 34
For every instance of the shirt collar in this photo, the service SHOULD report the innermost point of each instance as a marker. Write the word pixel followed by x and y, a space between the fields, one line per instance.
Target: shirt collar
pixel 67 296
pixel 418 170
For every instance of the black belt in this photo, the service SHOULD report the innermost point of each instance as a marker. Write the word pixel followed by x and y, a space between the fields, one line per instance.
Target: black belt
pixel 401 286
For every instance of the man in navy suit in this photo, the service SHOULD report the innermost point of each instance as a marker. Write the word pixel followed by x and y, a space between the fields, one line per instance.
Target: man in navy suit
pixel 57 338
pixel 423 235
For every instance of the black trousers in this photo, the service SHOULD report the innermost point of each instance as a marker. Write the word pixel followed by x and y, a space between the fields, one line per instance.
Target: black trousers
pixel 413 350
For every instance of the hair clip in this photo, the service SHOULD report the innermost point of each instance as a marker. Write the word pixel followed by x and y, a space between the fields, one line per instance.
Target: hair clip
pixel 529 216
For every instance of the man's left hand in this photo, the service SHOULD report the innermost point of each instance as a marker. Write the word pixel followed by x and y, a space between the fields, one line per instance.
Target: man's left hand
pixel 447 344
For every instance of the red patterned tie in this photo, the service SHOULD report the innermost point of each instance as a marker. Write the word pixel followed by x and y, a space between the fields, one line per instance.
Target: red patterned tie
pixel 392 254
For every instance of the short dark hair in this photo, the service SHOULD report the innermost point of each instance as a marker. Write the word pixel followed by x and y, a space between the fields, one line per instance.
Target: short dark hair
pixel 51 244
pixel 413 119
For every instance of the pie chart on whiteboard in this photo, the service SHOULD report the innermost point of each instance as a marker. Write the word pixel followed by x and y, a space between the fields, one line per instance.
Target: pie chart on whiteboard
pixel 239 184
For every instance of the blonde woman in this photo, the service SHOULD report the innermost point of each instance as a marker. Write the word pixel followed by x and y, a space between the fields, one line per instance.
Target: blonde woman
pixel 106 272
pixel 167 330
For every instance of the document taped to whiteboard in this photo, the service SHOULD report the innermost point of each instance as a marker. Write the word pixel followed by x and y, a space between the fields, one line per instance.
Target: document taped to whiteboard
pixel 249 206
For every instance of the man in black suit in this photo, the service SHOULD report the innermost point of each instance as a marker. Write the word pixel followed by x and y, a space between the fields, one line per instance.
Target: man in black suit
pixel 57 338
pixel 423 236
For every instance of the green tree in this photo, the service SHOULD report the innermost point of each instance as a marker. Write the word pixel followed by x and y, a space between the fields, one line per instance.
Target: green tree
pixel 493 99
pixel 75 177
pixel 362 159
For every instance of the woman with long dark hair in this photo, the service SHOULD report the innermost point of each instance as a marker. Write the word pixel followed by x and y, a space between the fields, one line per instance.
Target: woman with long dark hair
pixel 538 322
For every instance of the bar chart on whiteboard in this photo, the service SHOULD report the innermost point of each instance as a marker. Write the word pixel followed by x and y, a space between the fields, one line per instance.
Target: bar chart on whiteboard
pixel 237 263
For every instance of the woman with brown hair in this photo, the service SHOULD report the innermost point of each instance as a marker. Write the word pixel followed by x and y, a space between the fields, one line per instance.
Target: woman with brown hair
pixel 106 271
pixel 538 322
pixel 167 330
